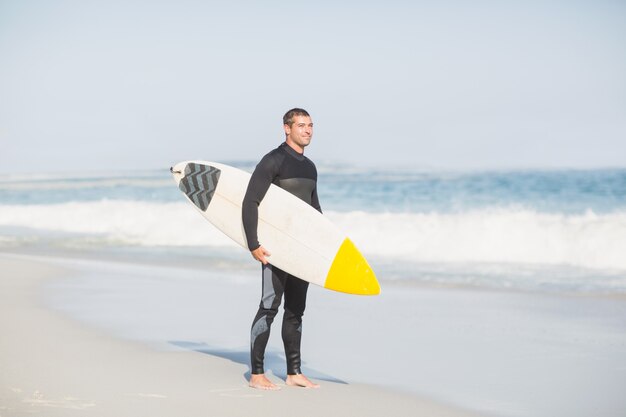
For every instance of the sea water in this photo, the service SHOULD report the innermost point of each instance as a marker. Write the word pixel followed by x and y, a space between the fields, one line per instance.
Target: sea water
pixel 551 231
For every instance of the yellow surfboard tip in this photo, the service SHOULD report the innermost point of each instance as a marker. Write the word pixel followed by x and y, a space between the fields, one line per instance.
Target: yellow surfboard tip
pixel 351 273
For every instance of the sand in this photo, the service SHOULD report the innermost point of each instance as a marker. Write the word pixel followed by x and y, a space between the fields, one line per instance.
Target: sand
pixel 121 333
pixel 52 365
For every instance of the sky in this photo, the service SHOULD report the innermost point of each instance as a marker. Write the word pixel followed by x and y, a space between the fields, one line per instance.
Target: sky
pixel 135 85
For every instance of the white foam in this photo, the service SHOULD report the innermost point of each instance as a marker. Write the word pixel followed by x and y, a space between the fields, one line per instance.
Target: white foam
pixel 493 236
pixel 128 222
pixel 498 235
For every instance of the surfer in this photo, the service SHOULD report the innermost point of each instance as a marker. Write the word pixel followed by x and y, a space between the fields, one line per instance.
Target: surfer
pixel 288 168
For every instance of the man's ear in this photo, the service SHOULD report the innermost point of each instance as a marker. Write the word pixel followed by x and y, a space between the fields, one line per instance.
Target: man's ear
pixel 287 129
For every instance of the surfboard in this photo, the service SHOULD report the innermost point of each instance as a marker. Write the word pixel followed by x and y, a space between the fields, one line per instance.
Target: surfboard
pixel 301 240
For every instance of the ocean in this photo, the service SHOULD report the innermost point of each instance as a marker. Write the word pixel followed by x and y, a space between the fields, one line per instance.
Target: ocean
pixel 556 231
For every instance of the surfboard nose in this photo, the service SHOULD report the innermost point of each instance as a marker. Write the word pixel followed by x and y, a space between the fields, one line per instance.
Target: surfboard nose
pixel 351 273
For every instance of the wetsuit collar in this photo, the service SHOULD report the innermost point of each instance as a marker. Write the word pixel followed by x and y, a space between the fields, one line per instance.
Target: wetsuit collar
pixel 292 152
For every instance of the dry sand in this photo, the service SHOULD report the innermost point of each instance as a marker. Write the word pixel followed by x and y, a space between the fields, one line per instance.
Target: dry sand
pixel 51 366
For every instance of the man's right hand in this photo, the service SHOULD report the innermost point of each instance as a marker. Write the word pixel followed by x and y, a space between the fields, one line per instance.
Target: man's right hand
pixel 260 254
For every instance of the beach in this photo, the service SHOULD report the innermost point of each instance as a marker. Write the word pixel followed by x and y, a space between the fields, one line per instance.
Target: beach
pixel 51 365
pixel 98 336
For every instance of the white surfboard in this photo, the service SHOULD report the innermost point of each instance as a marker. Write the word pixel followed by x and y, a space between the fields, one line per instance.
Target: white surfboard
pixel 301 240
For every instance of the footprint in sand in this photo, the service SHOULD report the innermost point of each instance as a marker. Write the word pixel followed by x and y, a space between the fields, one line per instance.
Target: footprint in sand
pixel 72 403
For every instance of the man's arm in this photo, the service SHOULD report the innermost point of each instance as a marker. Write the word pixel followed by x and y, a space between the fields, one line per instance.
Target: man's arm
pixel 260 182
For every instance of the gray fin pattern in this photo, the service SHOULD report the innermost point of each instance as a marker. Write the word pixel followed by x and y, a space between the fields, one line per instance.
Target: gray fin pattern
pixel 258 328
pixel 268 287
pixel 199 184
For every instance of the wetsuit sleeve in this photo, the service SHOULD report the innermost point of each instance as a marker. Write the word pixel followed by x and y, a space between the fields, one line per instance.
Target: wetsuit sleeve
pixel 260 182
pixel 315 201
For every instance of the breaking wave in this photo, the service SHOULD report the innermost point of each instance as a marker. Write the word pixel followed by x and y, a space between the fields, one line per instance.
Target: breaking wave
pixel 492 235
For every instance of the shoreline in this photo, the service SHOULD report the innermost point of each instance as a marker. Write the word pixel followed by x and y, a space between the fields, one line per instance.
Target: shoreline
pixel 236 261
pixel 53 365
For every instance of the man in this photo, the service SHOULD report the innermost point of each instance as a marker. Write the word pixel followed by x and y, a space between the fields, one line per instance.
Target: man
pixel 288 168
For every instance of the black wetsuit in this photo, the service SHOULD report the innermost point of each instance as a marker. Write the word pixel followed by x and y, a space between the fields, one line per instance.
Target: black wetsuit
pixel 295 173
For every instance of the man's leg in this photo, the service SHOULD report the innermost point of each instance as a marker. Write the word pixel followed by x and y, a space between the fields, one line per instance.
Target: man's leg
pixel 295 303
pixel 273 284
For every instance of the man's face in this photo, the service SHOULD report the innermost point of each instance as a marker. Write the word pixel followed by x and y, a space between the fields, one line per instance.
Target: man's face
pixel 301 131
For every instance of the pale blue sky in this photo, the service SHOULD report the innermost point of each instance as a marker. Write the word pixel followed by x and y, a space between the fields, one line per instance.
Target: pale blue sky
pixel 87 85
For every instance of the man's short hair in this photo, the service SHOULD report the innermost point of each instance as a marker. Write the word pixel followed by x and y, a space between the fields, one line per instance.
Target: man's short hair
pixel 288 117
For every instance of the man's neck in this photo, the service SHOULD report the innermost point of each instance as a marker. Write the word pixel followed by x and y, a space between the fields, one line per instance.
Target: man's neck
pixel 294 146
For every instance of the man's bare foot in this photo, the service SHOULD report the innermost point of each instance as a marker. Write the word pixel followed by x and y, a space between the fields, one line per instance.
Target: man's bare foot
pixel 300 380
pixel 260 381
